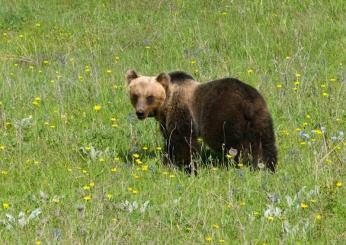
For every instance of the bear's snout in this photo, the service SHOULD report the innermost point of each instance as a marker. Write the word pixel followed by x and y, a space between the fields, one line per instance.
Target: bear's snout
pixel 140 114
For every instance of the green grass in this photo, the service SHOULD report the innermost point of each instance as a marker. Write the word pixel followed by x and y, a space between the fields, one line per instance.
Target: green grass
pixel 61 58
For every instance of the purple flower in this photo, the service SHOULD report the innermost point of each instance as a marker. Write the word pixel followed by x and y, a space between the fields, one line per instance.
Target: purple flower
pixel 304 135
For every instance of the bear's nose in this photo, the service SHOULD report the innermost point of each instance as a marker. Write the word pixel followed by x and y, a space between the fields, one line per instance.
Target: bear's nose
pixel 140 114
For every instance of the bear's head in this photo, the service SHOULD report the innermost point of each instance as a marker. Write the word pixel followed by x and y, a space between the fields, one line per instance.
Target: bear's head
pixel 147 93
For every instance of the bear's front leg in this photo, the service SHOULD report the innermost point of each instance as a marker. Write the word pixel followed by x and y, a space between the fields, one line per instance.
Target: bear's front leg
pixel 181 150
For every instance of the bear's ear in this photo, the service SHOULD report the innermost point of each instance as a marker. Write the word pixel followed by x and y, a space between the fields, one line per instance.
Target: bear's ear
pixel 130 75
pixel 164 79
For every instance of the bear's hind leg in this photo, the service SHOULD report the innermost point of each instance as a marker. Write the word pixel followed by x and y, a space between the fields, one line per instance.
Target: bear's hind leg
pixel 269 155
pixel 264 152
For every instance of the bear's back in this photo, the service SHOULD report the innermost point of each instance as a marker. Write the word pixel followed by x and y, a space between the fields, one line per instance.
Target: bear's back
pixel 223 100
pixel 228 86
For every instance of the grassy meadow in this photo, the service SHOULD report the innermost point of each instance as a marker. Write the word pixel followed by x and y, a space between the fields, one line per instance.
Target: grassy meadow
pixel 77 167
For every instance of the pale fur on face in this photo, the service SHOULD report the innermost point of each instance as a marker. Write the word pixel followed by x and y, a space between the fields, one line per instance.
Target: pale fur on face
pixel 147 95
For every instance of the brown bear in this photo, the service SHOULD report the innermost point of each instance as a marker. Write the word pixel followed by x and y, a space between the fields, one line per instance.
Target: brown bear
pixel 227 114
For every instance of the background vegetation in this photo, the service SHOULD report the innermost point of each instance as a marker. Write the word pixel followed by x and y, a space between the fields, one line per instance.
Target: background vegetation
pixel 77 167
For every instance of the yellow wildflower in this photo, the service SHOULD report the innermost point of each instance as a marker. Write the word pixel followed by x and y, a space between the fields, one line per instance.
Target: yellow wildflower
pixel 318 216
pixel 208 238
pixel 55 199
pixel 229 156
pixel 87 198
pixel 270 218
pixel 135 155
pixel 328 161
pixel 36 101
pixel 304 205
pixel 255 213
pixel 114 170
pixel 135 176
pixel 318 131
pixel 97 107
pixel 249 71
pixel 338 183
pixel 5 205
pixel 216 226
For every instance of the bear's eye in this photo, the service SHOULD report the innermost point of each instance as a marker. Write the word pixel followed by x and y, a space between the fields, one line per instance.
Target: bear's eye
pixel 150 99
pixel 134 97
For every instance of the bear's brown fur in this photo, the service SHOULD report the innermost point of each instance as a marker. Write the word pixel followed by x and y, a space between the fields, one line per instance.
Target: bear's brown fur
pixel 227 114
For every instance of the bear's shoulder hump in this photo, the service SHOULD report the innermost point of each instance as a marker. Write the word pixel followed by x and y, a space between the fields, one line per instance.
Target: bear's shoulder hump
pixel 179 76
